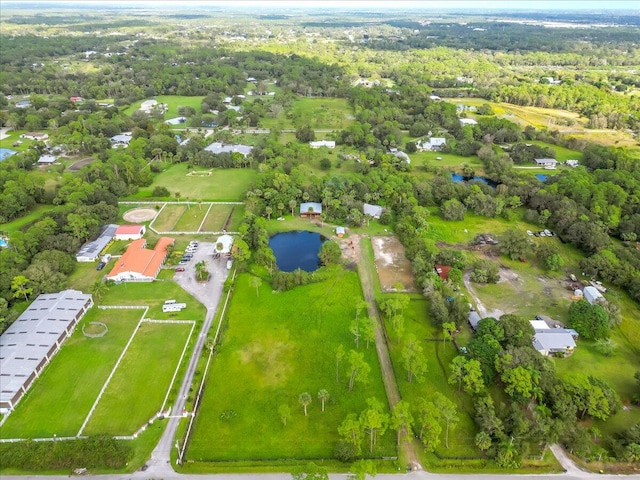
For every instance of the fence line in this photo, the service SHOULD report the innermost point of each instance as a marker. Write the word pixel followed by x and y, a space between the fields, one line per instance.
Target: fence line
pixel 123 307
pixel 205 217
pixel 150 320
pixel 175 373
pixel 179 203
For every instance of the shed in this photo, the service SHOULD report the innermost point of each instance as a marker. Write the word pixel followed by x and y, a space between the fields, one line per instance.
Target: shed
pixel 340 231
pixel 474 318
pixel 323 143
pixel 46 160
pixel 468 121
pixel 442 271
pixel 592 295
pixel 226 242
pixel 90 251
pixel 546 162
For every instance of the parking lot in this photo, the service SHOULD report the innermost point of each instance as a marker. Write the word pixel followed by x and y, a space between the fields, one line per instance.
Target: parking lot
pixel 207 293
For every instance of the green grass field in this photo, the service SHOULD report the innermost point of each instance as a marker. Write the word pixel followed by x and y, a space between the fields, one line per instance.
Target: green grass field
pixel 32 216
pixel 562 154
pixel 138 388
pixel 191 218
pixel 224 185
pixel 61 398
pixel 172 101
pixel 277 346
pixel 217 217
pixel 321 113
pixel 168 218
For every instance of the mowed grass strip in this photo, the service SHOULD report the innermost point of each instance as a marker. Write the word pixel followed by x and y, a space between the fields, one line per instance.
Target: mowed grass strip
pixel 169 217
pixel 216 217
pixel 138 388
pixel 277 346
pixel 191 218
pixel 61 398
pixel 223 185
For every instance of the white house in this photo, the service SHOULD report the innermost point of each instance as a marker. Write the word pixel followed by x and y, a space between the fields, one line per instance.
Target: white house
pixel 592 295
pixel 226 242
pixel 546 162
pixel 549 341
pixel 572 163
pixel 121 140
pixel 46 160
pixel 35 136
pixel 468 121
pixel 148 105
pixel 436 143
pixel 217 148
pixel 323 143
pixel 91 251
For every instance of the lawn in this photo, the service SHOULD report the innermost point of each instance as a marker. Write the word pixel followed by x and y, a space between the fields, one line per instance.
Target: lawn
pixel 169 217
pixel 31 217
pixel 217 217
pixel 172 101
pixel 449 161
pixel 277 346
pixel 191 218
pixel 61 398
pixel 224 185
pixel 321 113
pixel 138 388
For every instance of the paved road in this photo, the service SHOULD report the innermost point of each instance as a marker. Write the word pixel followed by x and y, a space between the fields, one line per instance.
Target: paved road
pixel 209 294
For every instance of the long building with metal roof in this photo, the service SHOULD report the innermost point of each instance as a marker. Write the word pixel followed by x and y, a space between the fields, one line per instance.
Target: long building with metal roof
pixel 34 338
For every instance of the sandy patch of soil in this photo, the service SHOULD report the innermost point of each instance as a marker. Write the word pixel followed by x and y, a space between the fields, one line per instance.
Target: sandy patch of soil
pixel 138 215
pixel 392 265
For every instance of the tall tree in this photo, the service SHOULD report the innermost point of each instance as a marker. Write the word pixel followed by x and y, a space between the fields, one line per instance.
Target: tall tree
pixel 448 413
pixel 413 359
pixel 285 412
pixel 401 419
pixel 256 282
pixel 374 421
pixel 358 369
pixel 20 288
pixel 351 431
pixel 323 396
pixel 339 357
pixel 304 399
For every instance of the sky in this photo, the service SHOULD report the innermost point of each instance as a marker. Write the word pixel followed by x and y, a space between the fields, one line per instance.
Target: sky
pixel 544 5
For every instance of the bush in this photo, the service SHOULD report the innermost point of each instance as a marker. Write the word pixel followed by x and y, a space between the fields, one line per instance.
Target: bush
pixel 485 271
pixel 161 192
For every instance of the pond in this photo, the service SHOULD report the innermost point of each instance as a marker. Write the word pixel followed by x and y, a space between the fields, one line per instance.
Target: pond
pixel 295 250
pixel 541 176
pixel 457 178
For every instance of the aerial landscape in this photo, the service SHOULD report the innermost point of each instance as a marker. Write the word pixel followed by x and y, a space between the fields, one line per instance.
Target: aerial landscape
pixel 313 239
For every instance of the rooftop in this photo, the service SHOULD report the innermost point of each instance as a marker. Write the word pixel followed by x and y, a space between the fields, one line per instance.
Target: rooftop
pixel 138 259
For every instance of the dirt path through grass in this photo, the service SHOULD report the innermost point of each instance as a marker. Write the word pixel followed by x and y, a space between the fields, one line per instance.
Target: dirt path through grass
pixel 366 273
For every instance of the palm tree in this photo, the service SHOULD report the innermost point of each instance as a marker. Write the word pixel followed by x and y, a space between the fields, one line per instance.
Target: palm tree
pixel 292 205
pixel 323 396
pixel 98 289
pixel 304 400
pixel 256 282
pixel 268 211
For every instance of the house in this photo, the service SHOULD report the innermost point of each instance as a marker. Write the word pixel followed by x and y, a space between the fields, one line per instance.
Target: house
pixel 592 295
pixel 442 271
pixel 138 263
pixel 473 319
pixel 38 136
pixel 323 143
pixel 76 99
pixel 23 104
pixel 310 209
pixel 224 244
pixel 572 163
pixel 374 211
pixel 340 231
pixel 121 140
pixel 46 160
pixel 549 341
pixel 468 121
pixel 30 342
pixel 218 148
pixel 546 162
pixel 436 143
pixel 130 232
pixel 435 98
pixel 91 251
pixel 148 105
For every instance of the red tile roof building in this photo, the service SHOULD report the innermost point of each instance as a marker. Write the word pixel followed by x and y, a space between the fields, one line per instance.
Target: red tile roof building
pixel 139 264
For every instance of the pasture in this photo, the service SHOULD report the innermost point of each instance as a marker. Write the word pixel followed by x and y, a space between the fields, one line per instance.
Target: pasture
pixel 223 185
pixel 321 113
pixel 198 217
pixel 172 102
pixel 136 392
pixel 277 346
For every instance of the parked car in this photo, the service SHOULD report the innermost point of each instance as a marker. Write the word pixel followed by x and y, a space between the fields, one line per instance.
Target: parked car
pixel 100 266
pixel 183 262
pixel 180 269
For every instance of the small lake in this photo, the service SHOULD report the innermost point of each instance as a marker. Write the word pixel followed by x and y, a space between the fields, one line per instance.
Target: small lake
pixel 457 178
pixel 295 250
pixel 542 177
